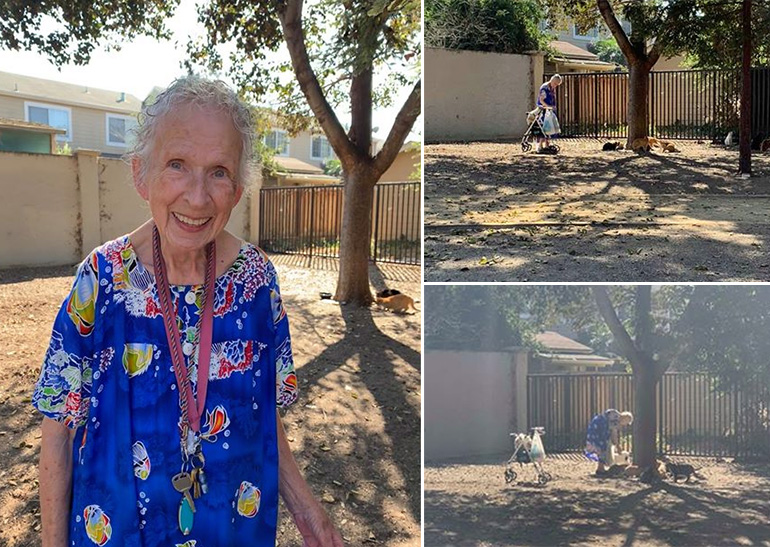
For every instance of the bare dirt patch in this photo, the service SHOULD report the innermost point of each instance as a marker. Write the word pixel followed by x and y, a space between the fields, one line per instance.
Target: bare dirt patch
pixel 355 430
pixel 494 213
pixel 470 505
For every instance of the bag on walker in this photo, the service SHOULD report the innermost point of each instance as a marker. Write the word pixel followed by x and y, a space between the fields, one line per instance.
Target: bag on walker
pixel 550 123
pixel 538 450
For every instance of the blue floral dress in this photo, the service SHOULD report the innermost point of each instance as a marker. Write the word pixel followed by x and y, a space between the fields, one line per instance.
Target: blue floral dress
pixel 108 374
pixel 599 435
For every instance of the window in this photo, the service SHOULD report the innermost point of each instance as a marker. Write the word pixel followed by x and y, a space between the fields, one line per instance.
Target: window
pixel 592 34
pixel 53 115
pixel 119 130
pixel 279 141
pixel 320 148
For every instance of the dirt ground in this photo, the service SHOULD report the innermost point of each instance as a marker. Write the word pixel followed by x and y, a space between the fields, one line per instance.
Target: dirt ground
pixel 355 429
pixel 494 213
pixel 470 505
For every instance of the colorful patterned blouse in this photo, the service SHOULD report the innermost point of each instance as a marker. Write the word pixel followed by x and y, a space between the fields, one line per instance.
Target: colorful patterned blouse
pixel 546 96
pixel 108 374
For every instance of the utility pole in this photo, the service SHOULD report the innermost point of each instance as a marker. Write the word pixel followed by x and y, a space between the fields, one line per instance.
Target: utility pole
pixel 744 163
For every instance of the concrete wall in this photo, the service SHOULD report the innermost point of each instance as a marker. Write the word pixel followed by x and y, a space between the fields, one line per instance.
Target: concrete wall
pixel 56 209
pixel 404 168
pixel 472 403
pixel 471 95
pixel 39 212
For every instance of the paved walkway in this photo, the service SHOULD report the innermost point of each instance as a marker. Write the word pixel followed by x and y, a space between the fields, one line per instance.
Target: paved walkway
pixel 405 273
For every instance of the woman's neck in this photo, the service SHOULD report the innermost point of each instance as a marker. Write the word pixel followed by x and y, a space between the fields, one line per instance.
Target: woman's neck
pixel 184 267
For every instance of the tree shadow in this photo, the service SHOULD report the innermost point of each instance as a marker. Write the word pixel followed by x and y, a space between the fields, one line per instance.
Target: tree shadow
pixel 468 188
pixel 20 275
pixel 632 514
pixel 382 360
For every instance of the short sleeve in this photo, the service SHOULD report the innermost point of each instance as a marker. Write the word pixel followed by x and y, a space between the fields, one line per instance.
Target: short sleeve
pixel 62 392
pixel 285 376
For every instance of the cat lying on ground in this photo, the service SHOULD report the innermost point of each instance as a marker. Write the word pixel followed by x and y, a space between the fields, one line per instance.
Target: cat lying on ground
pixel 647 143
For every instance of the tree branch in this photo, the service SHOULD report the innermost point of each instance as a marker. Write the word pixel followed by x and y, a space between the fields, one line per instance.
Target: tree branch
pixel 290 15
pixel 403 123
pixel 617 31
pixel 653 55
pixel 642 328
pixel 619 332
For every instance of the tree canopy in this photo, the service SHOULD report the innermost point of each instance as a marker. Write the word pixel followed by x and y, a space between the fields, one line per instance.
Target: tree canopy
pixel 501 26
pixel 721 329
pixel 717 44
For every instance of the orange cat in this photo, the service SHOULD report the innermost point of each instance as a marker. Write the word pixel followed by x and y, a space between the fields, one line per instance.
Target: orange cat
pixel 400 303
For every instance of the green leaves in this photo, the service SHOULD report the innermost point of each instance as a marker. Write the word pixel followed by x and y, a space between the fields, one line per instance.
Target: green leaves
pixel 81 25
pixel 501 26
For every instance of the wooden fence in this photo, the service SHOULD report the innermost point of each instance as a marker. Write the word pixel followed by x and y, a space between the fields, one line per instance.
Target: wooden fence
pixel 307 220
pixel 682 104
pixel 695 417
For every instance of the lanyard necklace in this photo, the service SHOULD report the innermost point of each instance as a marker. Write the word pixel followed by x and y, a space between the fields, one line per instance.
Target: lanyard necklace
pixel 191 480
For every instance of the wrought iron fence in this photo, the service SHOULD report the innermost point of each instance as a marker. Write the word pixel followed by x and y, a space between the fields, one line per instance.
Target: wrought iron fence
pixel 307 220
pixel 682 104
pixel 694 416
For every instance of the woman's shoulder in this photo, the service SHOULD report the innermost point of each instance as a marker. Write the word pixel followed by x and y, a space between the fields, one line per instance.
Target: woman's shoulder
pixel 252 265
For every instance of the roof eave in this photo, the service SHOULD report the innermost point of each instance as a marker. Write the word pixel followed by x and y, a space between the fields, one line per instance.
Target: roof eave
pixel 51 100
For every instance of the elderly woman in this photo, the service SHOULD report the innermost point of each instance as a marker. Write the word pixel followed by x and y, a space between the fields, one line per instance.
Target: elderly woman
pixel 604 434
pixel 170 356
pixel 546 99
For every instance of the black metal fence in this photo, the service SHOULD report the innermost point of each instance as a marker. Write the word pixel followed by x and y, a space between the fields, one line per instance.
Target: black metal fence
pixel 694 417
pixel 307 220
pixel 683 104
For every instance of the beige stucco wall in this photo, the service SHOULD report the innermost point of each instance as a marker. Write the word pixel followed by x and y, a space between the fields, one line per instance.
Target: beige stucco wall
pixel 470 404
pixel 404 167
pixel 471 95
pixel 41 222
pixel 39 210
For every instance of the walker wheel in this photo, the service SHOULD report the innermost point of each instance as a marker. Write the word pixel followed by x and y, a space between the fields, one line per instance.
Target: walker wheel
pixel 526 146
pixel 510 476
pixel 542 478
pixel 547 475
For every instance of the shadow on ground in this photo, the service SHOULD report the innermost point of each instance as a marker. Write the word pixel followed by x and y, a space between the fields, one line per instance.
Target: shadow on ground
pixel 470 186
pixel 387 460
pixel 601 512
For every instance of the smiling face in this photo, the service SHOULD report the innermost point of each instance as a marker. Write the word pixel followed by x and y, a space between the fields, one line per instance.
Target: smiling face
pixel 189 180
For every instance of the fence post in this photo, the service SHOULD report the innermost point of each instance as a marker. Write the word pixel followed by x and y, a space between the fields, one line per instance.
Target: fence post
pixel 377 193
pixel 90 209
pixel 596 105
pixel 520 360
pixel 652 104
pixel 312 220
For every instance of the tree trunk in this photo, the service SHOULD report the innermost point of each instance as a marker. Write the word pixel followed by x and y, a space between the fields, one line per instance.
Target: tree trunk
pixel 645 415
pixel 638 97
pixel 355 239
pixel 744 162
